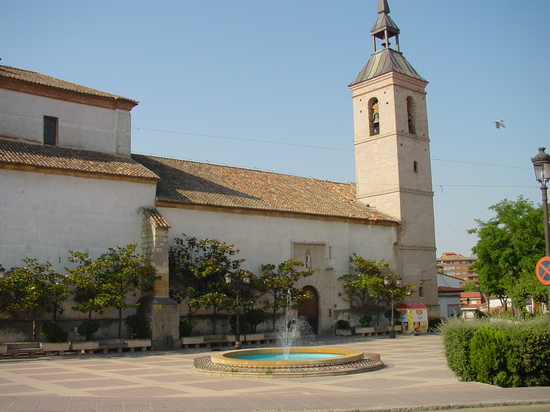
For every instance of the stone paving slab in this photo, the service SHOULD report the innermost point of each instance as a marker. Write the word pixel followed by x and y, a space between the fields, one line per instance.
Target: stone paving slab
pixel 415 378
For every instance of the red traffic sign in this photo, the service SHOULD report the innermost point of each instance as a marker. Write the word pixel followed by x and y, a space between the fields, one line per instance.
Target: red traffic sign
pixel 542 270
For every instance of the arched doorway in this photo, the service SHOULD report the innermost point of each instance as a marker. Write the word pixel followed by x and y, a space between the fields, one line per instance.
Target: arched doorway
pixel 310 309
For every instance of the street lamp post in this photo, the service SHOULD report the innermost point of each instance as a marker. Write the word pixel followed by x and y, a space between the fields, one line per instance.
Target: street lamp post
pixel 239 282
pixel 541 164
pixel 392 284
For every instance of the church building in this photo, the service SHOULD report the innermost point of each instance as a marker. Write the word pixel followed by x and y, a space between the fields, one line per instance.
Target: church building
pixel 69 181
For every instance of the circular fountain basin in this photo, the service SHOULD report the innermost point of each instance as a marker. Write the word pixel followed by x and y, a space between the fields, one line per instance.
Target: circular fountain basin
pixel 303 361
pixel 288 356
pixel 271 357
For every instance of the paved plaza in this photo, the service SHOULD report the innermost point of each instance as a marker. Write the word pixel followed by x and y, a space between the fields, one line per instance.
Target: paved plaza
pixel 415 378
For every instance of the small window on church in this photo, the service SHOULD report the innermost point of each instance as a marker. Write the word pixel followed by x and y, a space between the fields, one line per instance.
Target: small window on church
pixel 50 130
pixel 415 166
pixel 374 116
pixel 411 115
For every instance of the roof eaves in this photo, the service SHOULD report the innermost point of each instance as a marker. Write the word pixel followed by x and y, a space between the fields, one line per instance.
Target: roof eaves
pixel 9 75
pixel 59 160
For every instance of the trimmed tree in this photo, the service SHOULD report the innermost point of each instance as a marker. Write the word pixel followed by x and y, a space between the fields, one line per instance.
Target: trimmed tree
pixel 109 280
pixel 365 289
pixel 31 290
pixel 197 271
pixel 358 286
pixel 277 281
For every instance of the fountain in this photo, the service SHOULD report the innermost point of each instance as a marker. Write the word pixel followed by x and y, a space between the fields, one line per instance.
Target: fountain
pixel 288 360
pixel 291 328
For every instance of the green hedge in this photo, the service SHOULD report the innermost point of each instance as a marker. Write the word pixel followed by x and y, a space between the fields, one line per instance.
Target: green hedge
pixel 499 352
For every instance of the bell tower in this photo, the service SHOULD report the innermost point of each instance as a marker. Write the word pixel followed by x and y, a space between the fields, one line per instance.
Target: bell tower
pixel 392 153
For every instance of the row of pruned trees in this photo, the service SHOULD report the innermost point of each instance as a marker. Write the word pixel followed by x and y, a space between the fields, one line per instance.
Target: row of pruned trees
pixel 198 270
pixel 109 281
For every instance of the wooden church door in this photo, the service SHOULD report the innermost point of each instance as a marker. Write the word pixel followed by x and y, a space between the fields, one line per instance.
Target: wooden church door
pixel 310 309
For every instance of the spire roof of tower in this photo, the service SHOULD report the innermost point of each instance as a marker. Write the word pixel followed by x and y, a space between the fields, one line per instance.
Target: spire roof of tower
pixel 387 59
pixel 383 6
pixel 384 22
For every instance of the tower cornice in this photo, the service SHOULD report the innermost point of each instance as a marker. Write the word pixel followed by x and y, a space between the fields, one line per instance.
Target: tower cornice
pixel 390 79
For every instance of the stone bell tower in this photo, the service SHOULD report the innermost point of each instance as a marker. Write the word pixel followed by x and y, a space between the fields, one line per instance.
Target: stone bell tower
pixel 392 153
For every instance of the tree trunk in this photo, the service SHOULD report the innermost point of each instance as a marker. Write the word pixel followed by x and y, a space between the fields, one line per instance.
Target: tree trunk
pixel 120 323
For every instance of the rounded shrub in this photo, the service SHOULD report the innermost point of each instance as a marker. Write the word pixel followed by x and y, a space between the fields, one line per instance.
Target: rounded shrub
pixel 365 320
pixel 343 324
pixel 87 328
pixel 53 332
pixel 139 328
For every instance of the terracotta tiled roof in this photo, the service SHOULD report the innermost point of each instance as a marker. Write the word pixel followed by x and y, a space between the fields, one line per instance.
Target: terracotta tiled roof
pixel 17 155
pixel 449 289
pixel 156 217
pixel 27 76
pixel 472 295
pixel 448 257
pixel 205 184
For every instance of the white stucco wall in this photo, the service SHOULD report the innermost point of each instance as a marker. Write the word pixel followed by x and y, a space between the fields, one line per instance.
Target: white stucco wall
pixel 43 215
pixel 449 306
pixel 80 126
pixel 263 240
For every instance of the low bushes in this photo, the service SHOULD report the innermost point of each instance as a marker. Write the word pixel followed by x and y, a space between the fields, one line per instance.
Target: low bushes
pixel 343 324
pixel 139 328
pixel 53 332
pixel 87 328
pixel 499 352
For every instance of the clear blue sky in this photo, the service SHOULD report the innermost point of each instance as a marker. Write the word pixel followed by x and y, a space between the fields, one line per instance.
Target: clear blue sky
pixel 263 84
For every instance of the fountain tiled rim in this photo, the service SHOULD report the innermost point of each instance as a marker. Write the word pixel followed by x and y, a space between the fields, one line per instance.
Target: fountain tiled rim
pixel 351 361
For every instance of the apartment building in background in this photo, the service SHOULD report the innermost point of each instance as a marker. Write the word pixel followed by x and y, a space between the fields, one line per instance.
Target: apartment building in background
pixel 458 266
